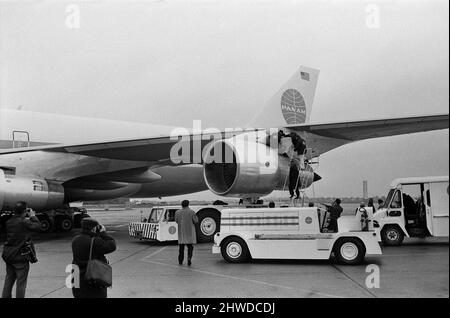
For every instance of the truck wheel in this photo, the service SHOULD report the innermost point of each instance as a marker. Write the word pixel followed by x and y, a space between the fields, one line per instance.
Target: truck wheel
pixel 46 225
pixel 349 251
pixel 65 224
pixel 392 235
pixel 234 250
pixel 208 225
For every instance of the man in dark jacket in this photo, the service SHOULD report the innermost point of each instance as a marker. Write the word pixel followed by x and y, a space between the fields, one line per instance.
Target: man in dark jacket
pixel 335 212
pixel 298 142
pixel 15 254
pixel 294 184
pixel 81 245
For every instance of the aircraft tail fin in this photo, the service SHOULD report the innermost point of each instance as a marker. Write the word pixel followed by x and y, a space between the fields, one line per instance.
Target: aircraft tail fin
pixel 292 104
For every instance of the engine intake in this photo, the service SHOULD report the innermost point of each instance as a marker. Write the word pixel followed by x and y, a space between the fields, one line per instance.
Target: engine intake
pixel 239 167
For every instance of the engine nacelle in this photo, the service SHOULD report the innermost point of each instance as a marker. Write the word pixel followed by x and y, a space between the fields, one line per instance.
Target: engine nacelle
pixel 38 193
pixel 237 167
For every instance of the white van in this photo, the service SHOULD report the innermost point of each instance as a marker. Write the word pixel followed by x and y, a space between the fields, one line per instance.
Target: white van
pixel 414 207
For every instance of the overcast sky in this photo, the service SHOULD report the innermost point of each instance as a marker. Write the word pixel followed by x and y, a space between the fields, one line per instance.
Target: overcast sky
pixel 169 62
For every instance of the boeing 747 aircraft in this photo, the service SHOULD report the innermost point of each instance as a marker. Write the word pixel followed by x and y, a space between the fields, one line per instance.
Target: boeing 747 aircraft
pixel 50 160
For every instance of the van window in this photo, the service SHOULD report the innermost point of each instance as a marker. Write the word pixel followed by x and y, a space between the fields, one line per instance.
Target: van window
pixel 155 215
pixel 388 198
pixel 397 200
pixel 170 215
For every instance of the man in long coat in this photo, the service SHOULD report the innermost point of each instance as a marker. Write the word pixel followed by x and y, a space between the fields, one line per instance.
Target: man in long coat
pixel 186 220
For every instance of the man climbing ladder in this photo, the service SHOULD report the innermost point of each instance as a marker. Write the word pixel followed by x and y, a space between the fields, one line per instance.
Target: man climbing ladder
pixel 296 152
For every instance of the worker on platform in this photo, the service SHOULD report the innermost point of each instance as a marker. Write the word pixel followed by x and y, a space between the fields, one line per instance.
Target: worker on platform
pixel 335 212
pixel 294 184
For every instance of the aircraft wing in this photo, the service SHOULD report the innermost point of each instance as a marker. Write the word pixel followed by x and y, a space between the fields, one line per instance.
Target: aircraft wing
pixel 320 137
pixel 324 137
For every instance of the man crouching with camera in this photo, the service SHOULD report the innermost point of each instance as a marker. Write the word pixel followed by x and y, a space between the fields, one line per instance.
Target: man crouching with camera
pixel 89 249
pixel 19 251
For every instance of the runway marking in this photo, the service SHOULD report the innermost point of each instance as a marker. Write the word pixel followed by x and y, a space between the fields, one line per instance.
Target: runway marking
pixel 154 253
pixel 238 278
pixel 354 281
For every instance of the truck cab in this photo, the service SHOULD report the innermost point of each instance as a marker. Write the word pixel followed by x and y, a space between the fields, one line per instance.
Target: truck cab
pixel 294 233
pixel 414 207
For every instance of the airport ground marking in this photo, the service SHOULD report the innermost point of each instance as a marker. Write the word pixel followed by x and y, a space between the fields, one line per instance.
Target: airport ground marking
pixel 354 281
pixel 154 253
pixel 242 279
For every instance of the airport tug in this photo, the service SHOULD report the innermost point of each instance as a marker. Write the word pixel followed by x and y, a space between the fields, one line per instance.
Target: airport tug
pixel 294 233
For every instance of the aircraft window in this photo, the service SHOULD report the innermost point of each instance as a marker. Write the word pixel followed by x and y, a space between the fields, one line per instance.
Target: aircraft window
pixel 155 215
pixel 38 186
pixel 397 200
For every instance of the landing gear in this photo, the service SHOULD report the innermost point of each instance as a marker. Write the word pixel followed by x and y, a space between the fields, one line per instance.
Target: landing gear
pixel 65 223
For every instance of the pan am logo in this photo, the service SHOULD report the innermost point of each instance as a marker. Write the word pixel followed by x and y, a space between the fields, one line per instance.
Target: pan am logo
pixel 293 107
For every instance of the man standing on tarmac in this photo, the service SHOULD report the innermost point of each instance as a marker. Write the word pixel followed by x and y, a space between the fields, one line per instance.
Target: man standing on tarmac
pixel 19 251
pixel 186 220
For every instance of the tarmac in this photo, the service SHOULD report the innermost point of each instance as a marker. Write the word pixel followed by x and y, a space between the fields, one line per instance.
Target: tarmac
pixel 417 269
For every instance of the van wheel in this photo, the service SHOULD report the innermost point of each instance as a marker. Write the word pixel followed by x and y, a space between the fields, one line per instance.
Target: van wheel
pixel 349 251
pixel 208 225
pixel 234 250
pixel 392 235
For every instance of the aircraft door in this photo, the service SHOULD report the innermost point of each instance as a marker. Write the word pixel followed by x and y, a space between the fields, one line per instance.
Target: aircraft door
pixel 20 139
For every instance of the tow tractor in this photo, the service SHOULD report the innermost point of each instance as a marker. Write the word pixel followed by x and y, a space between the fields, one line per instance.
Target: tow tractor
pixel 161 226
pixel 294 233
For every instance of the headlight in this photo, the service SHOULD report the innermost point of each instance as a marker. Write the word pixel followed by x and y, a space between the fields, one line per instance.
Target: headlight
pixel 376 224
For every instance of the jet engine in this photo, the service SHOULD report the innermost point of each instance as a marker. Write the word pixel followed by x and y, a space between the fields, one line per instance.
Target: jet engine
pixel 241 168
pixel 237 167
pixel 38 193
